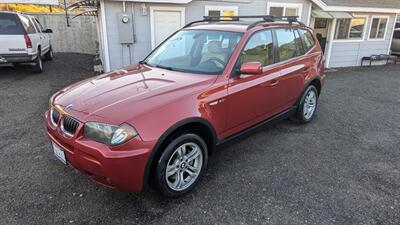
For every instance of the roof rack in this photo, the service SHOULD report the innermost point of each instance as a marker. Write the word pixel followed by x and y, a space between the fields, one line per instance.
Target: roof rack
pixel 265 18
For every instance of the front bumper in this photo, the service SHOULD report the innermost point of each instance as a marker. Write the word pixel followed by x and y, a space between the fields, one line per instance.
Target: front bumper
pixel 15 58
pixel 121 167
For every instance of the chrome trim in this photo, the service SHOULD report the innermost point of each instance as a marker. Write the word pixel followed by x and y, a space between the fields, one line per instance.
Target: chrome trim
pixel 51 117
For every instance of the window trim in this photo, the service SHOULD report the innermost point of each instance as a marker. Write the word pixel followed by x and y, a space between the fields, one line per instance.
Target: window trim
pixel 386 27
pixel 208 8
pixel 362 39
pixel 285 5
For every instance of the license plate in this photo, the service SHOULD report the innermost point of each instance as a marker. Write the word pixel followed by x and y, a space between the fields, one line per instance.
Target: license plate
pixel 59 153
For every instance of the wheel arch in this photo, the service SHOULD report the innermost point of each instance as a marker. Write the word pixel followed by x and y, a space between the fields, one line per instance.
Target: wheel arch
pixel 196 125
pixel 316 82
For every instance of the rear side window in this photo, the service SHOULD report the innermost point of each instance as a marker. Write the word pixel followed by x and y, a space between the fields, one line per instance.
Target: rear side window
pixel 287 46
pixel 309 41
pixel 28 25
pixel 259 48
pixel 9 24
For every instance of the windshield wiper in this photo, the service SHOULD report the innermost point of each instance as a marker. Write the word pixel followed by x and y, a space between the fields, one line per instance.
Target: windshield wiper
pixel 158 66
pixel 164 67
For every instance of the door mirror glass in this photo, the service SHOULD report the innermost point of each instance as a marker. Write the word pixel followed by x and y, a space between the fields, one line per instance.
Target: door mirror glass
pixel 48 31
pixel 252 68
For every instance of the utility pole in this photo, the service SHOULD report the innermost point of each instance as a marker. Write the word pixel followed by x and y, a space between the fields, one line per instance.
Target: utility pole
pixel 66 13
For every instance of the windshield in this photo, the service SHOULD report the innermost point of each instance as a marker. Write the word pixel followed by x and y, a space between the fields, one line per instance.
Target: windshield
pixel 195 51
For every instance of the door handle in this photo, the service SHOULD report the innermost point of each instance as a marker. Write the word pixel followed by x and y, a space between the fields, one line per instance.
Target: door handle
pixel 306 69
pixel 274 82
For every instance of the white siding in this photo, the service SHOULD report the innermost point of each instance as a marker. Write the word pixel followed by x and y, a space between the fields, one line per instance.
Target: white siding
pixel 345 54
pixel 119 54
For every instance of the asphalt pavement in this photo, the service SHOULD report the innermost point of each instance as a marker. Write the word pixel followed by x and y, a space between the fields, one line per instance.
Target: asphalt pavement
pixel 343 168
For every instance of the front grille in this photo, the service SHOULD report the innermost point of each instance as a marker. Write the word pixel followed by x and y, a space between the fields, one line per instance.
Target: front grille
pixel 69 125
pixel 54 116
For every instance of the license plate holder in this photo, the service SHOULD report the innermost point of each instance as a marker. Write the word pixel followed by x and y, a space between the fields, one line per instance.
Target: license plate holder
pixel 59 153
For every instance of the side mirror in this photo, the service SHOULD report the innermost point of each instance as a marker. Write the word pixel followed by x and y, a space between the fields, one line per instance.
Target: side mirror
pixel 48 31
pixel 251 68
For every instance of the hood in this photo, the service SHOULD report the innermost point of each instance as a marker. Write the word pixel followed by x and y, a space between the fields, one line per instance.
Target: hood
pixel 128 92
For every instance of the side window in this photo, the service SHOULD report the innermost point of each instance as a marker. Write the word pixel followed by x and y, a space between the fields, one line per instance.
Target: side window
pixel 286 44
pixel 28 25
pixel 40 27
pixel 309 41
pixel 299 43
pixel 259 48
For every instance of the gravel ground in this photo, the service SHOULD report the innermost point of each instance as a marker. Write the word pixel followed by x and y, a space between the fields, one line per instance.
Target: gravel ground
pixel 343 168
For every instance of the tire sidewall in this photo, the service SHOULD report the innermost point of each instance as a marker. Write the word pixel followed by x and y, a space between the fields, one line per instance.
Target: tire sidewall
pixel 162 164
pixel 300 112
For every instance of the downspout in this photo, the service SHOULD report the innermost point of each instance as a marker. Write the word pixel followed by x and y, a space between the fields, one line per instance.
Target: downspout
pixel 330 44
pixel 105 37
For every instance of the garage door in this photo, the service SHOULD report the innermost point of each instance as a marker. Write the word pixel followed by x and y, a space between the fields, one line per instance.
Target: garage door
pixel 165 21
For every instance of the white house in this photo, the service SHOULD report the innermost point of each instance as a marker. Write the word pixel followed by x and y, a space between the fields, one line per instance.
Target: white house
pixel 348 29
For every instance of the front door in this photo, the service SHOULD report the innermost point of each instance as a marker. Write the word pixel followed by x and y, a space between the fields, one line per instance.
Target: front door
pixel 322 31
pixel 164 22
pixel 250 97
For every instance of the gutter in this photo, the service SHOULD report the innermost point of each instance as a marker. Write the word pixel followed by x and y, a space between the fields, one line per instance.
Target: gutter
pixel 325 7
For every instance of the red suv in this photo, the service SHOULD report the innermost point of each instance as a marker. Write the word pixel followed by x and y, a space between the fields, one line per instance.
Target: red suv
pixel 158 121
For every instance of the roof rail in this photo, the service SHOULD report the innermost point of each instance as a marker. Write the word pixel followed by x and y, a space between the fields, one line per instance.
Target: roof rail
pixel 265 18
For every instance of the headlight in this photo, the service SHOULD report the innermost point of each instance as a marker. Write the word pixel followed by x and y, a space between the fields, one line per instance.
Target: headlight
pixel 109 134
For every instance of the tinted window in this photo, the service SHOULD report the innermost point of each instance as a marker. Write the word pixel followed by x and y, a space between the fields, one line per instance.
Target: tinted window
pixel 259 48
pixel 28 25
pixel 286 44
pixel 299 42
pixel 9 24
pixel 309 41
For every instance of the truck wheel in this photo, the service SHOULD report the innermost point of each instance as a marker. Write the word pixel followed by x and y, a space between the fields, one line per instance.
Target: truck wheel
pixel 308 105
pixel 38 67
pixel 181 165
pixel 49 55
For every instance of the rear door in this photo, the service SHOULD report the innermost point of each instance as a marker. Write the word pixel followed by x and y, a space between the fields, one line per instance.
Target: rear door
pixel 292 65
pixel 11 35
pixel 44 38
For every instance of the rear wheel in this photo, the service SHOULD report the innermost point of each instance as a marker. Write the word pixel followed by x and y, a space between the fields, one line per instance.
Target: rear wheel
pixel 308 105
pixel 181 165
pixel 38 67
pixel 49 55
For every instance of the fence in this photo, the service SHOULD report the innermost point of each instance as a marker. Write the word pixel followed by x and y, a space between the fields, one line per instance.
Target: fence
pixel 79 37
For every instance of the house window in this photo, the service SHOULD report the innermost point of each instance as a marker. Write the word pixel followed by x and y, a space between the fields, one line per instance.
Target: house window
pixel 378 27
pixel 213 10
pixel 350 29
pixel 284 9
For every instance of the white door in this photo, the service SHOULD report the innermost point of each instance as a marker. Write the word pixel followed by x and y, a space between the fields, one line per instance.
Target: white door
pixel 164 22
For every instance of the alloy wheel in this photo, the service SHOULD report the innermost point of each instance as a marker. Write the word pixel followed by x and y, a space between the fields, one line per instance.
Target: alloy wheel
pixel 184 166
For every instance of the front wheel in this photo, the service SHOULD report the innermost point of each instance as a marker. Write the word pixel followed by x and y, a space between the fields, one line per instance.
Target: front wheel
pixel 181 165
pixel 308 105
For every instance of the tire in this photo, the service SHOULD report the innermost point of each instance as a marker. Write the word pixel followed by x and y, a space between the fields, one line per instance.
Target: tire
pixel 49 55
pixel 191 171
pixel 38 67
pixel 308 105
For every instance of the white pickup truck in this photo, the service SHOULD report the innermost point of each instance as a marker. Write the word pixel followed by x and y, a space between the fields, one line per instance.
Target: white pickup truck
pixel 23 40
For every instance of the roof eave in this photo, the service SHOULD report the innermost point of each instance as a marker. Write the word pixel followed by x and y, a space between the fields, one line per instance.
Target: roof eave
pixel 325 7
